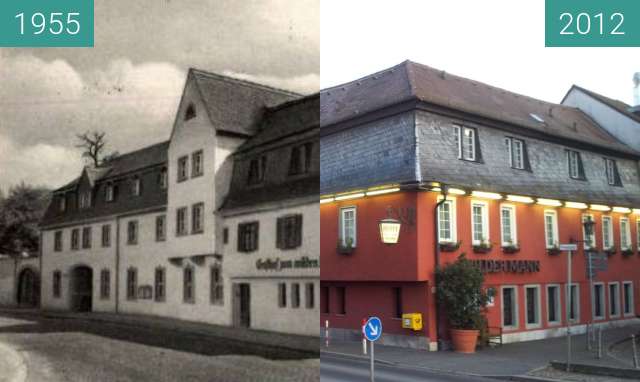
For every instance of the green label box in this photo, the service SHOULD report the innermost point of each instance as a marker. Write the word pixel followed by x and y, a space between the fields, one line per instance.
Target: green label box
pixel 46 23
pixel 592 23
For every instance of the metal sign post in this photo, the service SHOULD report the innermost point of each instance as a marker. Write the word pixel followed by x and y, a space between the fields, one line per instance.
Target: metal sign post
pixel 569 248
pixel 372 331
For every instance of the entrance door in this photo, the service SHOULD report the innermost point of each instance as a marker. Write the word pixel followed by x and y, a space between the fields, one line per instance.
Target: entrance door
pixel 242 305
pixel 28 288
pixel 82 289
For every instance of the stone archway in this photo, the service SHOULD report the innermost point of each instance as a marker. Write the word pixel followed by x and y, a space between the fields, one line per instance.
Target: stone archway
pixel 81 289
pixel 28 288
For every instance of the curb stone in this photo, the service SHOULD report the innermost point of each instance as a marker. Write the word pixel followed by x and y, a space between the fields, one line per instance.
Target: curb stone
pixel 599 370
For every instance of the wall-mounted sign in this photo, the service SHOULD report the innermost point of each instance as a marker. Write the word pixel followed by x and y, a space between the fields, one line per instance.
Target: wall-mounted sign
pixel 508 266
pixel 278 264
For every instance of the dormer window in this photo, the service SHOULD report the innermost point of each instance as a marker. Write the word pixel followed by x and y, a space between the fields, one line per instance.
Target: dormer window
pixel 85 199
pixel 517 152
pixel 162 178
pixel 63 203
pixel 257 169
pixel 468 145
pixel 109 192
pixel 190 113
pixel 611 170
pixel 576 169
pixel 300 160
pixel 135 186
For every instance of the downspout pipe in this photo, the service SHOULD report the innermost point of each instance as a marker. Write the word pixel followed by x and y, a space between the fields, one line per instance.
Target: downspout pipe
pixel 436 251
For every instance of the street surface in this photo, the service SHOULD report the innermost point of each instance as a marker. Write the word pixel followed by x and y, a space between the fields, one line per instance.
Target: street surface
pixel 335 368
pixel 70 350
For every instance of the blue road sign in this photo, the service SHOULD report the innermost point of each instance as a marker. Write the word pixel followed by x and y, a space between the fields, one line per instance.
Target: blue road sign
pixel 373 329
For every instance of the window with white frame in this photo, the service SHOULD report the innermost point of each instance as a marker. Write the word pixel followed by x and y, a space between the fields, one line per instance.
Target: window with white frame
pixel 532 305
pixel 614 299
pixel 598 301
pixel 627 298
pixel 109 192
pixel 85 199
pixel 554 313
pixel 348 226
pixel 607 232
pixel 466 139
pixel 479 222
pixel 509 308
pixel 611 169
pixel 625 234
pixel 575 165
pixel 638 234
pixel 551 228
pixel 572 295
pixel 508 224
pixel 63 203
pixel 135 186
pixel 447 221
pixel 516 151
pixel 590 239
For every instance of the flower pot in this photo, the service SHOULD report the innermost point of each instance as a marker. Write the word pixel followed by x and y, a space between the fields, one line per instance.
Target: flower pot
pixel 464 341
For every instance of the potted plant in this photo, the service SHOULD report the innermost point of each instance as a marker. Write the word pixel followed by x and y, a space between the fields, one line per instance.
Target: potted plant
pixel 554 251
pixel 510 248
pixel 483 247
pixel 611 250
pixel 627 252
pixel 450 246
pixel 345 247
pixel 461 294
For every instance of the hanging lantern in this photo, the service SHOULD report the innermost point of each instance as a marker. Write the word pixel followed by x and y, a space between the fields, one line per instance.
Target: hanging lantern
pixel 389 230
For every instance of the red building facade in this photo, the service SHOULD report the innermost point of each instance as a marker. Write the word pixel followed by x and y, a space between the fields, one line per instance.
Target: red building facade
pixel 494 186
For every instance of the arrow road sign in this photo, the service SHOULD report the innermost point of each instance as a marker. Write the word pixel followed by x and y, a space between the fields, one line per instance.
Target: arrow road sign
pixel 373 329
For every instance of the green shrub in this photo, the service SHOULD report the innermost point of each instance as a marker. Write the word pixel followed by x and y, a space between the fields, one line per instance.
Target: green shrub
pixel 461 294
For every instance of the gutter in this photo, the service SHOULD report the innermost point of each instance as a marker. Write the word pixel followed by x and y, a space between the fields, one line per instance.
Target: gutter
pixel 117 273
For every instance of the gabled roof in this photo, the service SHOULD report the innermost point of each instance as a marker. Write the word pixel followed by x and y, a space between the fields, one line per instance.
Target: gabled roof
pixel 234 105
pixel 122 164
pixel 411 81
pixel 615 104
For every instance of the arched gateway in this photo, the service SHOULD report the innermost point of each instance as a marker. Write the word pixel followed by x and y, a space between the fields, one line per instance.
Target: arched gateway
pixel 28 288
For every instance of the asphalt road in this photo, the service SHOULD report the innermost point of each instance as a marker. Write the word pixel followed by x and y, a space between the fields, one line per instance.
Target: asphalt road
pixel 334 368
pixel 76 350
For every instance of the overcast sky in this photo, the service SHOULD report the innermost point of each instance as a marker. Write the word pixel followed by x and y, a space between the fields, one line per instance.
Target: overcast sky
pixel 499 42
pixel 130 83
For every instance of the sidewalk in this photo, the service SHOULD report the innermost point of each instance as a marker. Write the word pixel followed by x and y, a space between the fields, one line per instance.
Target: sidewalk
pixel 509 360
pixel 303 344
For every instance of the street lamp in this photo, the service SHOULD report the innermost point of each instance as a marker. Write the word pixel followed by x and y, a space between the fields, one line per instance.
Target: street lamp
pixel 389 230
pixel 589 225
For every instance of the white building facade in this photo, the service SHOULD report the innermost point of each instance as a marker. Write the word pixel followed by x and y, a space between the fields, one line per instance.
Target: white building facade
pixel 143 233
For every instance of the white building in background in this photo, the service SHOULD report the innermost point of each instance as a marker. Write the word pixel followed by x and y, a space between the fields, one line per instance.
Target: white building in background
pixel 144 234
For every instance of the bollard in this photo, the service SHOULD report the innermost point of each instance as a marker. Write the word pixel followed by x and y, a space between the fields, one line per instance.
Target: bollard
pixel 600 343
pixel 364 339
pixel 588 336
pixel 635 352
pixel 326 333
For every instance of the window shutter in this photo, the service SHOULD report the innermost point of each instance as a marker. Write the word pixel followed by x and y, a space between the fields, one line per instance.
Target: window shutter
pixel 298 230
pixel 616 174
pixel 280 234
pixel 458 137
pixel 476 142
pixel 581 167
pixel 525 156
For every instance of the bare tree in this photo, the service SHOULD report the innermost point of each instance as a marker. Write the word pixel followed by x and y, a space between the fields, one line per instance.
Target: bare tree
pixel 93 143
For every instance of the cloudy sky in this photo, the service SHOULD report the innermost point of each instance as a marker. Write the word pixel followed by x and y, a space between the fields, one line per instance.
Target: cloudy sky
pixel 129 84
pixel 500 42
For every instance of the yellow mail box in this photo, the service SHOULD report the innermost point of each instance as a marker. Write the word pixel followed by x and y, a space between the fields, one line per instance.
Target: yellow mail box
pixel 412 321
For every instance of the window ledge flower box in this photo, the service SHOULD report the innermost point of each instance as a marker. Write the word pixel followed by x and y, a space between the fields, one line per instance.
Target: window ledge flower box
pixel 611 251
pixel 627 252
pixel 450 246
pixel 510 248
pixel 483 247
pixel 345 248
pixel 553 251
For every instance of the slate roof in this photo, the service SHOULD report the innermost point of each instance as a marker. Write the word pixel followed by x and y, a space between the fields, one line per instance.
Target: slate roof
pixel 412 81
pixel 222 95
pixel 291 123
pixel 615 104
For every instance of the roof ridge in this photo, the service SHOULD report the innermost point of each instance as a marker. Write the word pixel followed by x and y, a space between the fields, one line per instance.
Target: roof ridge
pixel 140 149
pixel 243 82
pixel 383 71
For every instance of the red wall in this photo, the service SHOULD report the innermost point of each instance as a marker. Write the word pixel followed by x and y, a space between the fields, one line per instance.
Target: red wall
pixel 412 259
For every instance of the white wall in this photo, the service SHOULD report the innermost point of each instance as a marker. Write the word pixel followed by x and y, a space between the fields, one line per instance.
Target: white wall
pixel 619 125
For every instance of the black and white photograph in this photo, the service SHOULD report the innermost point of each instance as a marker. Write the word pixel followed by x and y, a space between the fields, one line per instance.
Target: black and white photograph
pixel 159 215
